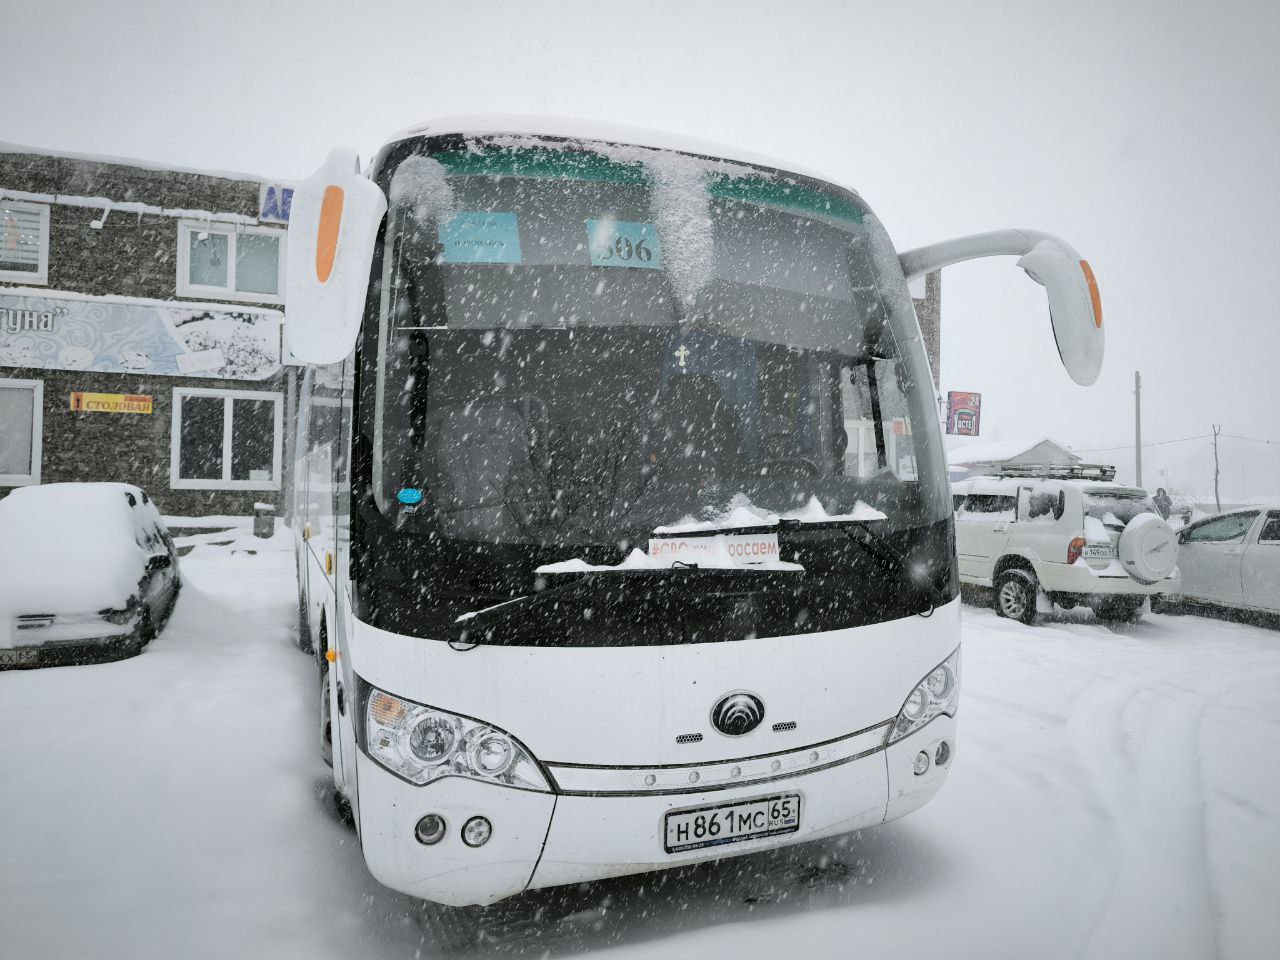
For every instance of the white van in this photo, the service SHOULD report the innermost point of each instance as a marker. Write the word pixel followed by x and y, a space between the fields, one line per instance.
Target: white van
pixel 624 532
pixel 1041 535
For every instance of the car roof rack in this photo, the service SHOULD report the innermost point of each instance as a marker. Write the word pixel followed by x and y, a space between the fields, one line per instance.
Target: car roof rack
pixel 1058 471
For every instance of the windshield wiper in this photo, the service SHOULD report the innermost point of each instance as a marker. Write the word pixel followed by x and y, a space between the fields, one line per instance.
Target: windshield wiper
pixel 472 627
pixel 477 627
pixel 877 546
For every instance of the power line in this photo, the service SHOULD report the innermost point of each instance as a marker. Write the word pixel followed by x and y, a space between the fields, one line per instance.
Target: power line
pixel 1161 443
pixel 1153 443
pixel 1236 436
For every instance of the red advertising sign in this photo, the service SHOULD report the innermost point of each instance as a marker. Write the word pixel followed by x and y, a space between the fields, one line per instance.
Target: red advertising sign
pixel 964 413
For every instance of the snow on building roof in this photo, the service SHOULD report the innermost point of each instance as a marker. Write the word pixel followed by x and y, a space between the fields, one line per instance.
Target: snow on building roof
pixel 962 452
pixel 6 147
pixel 577 129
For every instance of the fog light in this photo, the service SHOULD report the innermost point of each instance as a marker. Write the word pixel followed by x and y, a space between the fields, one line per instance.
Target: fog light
pixel 476 832
pixel 943 753
pixel 430 829
pixel 921 763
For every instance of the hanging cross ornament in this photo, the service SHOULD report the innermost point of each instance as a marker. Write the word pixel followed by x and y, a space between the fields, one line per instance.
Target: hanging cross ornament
pixel 682 354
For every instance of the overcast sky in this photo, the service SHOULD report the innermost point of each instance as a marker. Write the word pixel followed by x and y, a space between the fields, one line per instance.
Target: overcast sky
pixel 1145 133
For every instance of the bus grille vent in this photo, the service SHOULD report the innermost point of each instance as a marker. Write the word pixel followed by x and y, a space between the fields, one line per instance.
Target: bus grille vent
pixel 784 727
pixel 689 738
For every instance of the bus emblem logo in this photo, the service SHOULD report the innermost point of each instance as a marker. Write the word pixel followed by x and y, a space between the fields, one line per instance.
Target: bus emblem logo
pixel 737 713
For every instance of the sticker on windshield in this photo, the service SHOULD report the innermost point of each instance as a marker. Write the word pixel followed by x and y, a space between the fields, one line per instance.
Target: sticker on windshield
pixel 480 238
pixel 623 243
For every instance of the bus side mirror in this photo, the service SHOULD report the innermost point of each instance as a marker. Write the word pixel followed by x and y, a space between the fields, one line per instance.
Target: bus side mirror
pixel 1075 305
pixel 333 227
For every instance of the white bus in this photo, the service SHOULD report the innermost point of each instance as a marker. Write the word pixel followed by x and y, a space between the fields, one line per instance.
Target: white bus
pixel 624 531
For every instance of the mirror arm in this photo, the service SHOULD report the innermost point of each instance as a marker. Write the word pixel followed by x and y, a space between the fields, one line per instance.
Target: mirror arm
pixel 1075 305
pixel 996 243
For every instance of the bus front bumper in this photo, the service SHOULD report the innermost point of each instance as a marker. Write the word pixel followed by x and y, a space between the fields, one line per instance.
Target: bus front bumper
pixel 544 840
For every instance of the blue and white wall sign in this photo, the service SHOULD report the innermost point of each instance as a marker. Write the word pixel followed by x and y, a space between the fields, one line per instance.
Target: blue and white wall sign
pixel 61 331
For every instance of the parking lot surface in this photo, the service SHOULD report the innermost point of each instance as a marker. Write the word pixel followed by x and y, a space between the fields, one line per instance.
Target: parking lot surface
pixel 1114 795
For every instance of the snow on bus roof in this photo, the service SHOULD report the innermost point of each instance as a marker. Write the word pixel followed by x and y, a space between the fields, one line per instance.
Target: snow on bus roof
pixel 577 129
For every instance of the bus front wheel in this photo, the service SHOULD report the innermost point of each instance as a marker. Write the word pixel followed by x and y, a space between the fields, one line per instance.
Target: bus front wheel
pixel 326 713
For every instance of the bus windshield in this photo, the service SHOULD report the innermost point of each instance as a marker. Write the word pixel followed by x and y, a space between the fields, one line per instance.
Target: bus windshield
pixel 579 343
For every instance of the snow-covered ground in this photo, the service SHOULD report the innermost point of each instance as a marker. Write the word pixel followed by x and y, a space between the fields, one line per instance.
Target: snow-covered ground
pixel 1115 795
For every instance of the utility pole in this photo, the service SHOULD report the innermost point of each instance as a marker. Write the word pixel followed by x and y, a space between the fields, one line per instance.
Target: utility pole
pixel 1137 424
pixel 1217 428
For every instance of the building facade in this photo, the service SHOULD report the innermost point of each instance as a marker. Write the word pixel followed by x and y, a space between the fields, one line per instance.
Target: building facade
pixel 141 315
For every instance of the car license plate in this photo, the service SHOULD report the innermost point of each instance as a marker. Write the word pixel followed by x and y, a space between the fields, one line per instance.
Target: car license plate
pixel 18 658
pixel 732 822
pixel 1099 551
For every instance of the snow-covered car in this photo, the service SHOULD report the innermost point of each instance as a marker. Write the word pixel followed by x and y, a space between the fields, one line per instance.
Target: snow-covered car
pixel 87 572
pixel 1232 560
pixel 1072 541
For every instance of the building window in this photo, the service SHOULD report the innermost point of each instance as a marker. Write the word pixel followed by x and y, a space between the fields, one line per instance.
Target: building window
pixel 21 423
pixel 231 264
pixel 225 440
pixel 24 242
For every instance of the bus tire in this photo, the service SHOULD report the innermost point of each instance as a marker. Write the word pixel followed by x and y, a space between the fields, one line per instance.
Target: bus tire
pixel 304 624
pixel 1016 595
pixel 326 719
pixel 326 712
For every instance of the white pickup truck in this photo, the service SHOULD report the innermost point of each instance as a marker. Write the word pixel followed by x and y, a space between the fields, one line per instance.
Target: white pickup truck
pixel 1065 540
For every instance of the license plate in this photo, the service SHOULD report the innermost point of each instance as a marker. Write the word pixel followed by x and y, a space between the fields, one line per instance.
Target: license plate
pixel 732 822
pixel 1099 551
pixel 17 658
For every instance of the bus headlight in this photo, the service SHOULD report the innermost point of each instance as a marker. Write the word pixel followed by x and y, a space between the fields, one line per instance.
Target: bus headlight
pixel 422 744
pixel 937 693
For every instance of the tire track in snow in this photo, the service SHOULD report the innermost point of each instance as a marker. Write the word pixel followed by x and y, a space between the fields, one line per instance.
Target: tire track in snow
pixel 1160 902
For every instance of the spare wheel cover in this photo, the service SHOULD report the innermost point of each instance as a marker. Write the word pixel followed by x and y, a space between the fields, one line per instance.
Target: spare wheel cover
pixel 1148 548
